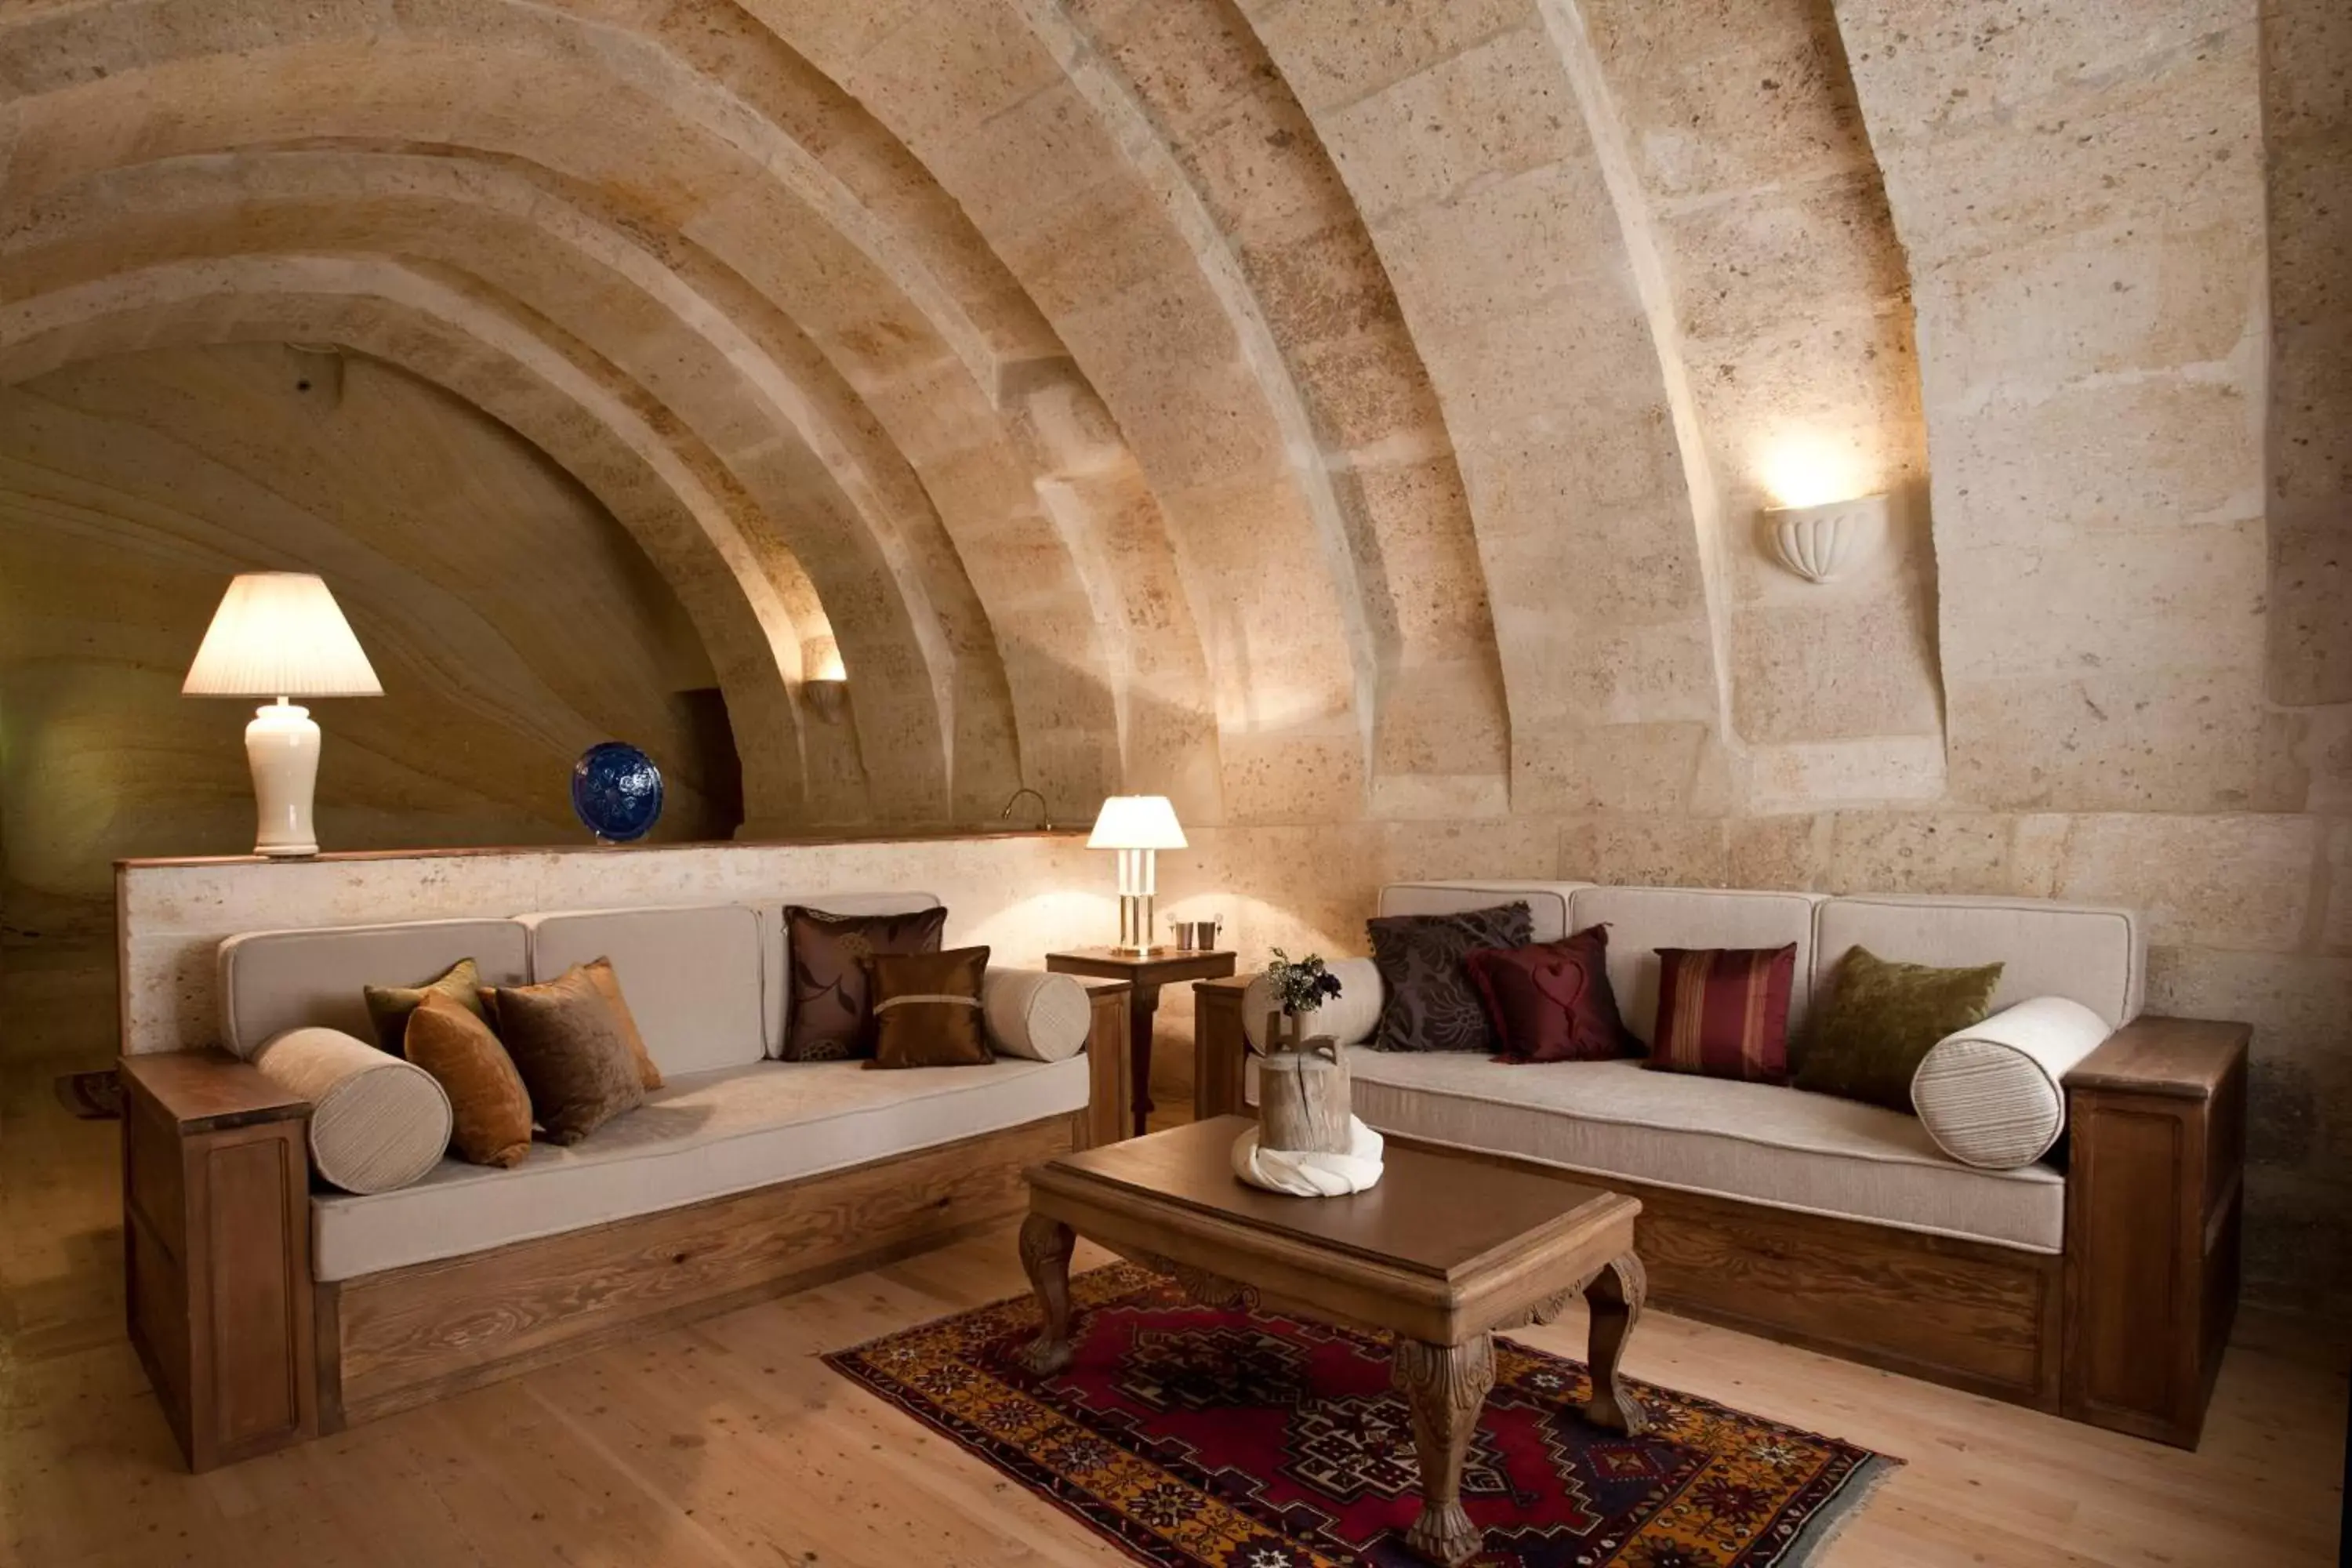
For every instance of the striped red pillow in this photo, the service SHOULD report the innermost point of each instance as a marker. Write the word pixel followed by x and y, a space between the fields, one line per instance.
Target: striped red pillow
pixel 1724 1011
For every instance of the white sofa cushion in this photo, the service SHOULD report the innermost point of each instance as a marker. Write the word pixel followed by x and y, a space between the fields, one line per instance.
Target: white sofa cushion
pixel 692 975
pixel 2094 956
pixel 1547 902
pixel 1036 1015
pixel 775 937
pixel 1643 920
pixel 376 1121
pixel 1994 1094
pixel 701 1136
pixel 1755 1143
pixel 273 980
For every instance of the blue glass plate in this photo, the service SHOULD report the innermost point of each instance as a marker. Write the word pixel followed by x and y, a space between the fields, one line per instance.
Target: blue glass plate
pixel 617 792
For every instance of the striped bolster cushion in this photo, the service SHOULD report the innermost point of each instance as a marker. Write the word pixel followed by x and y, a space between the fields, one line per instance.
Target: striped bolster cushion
pixel 1994 1095
pixel 1724 1011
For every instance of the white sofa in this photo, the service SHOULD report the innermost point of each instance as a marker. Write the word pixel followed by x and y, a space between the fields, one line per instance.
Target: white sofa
pixel 1811 1153
pixel 708 986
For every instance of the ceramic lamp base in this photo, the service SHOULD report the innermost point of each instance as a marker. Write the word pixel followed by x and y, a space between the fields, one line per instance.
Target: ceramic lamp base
pixel 282 745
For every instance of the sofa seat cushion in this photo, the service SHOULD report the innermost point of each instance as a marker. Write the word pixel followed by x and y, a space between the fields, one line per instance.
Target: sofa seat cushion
pixel 703 1136
pixel 1754 1141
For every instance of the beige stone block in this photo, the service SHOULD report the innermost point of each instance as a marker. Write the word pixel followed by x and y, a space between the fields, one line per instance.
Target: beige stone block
pixel 1646 851
pixel 2103 741
pixel 2306 91
pixel 1417 520
pixel 1565 770
pixel 2299 1090
pixel 1810 776
pixel 1799 250
pixel 1777 852
pixel 2131 454
pixel 1322 286
pixel 1439 797
pixel 2152 600
pixel 2322 756
pixel 1829 399
pixel 990 168
pixel 1370 390
pixel 1335 51
pixel 1292 776
pixel 1616 675
pixel 1442 719
pixel 1942 852
pixel 1263 172
pixel 949 69
pixel 1187 63
pixel 1500 246
pixel 2230 882
pixel 1834 668
pixel 1111 236
pixel 1498 109
pixel 1165 359
pixel 1587 351
pixel 2335 928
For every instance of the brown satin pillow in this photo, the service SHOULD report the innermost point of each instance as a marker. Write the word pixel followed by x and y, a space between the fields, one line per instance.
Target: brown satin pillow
pixel 389 1005
pixel 927 1009
pixel 489 1109
pixel 831 1018
pixel 608 985
pixel 567 1044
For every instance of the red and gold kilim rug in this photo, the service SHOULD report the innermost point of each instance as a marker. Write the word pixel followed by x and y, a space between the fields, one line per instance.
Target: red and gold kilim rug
pixel 1192 1435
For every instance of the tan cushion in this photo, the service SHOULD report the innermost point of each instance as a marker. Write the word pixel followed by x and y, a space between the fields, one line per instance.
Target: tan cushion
pixel 489 1109
pixel 693 975
pixel 1350 1017
pixel 273 980
pixel 926 1008
pixel 774 941
pixel 566 1042
pixel 1994 1094
pixel 608 985
pixel 1036 1015
pixel 1547 902
pixel 377 1123
pixel 1641 920
pixel 1758 1142
pixel 2095 956
pixel 703 1136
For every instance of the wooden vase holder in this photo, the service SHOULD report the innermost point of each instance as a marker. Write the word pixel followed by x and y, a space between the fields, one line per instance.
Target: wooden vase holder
pixel 1303 1093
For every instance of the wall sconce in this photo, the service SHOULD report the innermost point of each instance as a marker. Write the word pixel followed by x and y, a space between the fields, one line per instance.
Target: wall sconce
pixel 827 698
pixel 1819 543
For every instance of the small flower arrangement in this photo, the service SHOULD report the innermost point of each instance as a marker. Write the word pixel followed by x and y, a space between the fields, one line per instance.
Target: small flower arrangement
pixel 1300 984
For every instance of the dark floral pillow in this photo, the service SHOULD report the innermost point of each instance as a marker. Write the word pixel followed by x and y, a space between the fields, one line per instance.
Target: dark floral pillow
pixel 1431 1003
pixel 832 1017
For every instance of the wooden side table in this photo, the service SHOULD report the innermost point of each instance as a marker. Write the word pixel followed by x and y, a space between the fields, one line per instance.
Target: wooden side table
pixel 216 1251
pixel 1147 974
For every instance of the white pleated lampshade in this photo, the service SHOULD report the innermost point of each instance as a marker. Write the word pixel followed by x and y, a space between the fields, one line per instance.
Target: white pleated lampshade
pixel 279 634
pixel 1136 822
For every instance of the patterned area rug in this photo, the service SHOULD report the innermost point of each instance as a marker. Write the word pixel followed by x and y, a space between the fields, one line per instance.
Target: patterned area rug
pixel 1192 1435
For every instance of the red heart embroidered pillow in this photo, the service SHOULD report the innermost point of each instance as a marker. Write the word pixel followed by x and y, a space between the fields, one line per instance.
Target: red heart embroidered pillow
pixel 1550 1001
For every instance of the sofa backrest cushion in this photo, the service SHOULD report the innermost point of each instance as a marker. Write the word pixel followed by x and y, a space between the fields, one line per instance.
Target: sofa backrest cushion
pixel 2094 956
pixel 773 938
pixel 272 981
pixel 1547 903
pixel 694 975
pixel 1643 920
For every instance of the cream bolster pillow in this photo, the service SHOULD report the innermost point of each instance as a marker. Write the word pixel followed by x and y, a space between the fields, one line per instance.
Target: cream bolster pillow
pixel 1350 1017
pixel 376 1121
pixel 1994 1095
pixel 1031 1014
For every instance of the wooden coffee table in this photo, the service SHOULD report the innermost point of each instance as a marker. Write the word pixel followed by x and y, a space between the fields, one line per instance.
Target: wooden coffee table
pixel 1450 1247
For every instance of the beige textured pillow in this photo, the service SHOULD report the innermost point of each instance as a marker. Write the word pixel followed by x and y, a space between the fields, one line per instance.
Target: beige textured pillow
pixel 489 1107
pixel 566 1042
pixel 376 1121
pixel 1035 1014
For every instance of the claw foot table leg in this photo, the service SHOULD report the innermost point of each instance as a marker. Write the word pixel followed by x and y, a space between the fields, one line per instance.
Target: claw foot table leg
pixel 1614 1297
pixel 1045 1248
pixel 1447 1386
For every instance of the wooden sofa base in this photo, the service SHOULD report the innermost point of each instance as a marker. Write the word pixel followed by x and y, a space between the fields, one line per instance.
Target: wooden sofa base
pixel 407 1336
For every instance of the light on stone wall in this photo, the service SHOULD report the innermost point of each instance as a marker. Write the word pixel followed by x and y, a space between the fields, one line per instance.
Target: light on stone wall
pixel 824 683
pixel 1804 469
pixel 1820 543
pixel 827 698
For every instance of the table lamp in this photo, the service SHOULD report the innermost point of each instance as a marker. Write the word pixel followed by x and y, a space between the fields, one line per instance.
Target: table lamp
pixel 281 634
pixel 1138 826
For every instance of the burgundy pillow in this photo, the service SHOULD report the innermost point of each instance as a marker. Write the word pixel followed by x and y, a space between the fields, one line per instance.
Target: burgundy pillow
pixel 1552 1002
pixel 1724 1011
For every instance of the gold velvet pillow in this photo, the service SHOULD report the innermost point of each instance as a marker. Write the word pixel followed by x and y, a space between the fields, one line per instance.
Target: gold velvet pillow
pixel 489 1109
pixel 608 985
pixel 1879 1022
pixel 389 1005
pixel 566 1042
pixel 927 1009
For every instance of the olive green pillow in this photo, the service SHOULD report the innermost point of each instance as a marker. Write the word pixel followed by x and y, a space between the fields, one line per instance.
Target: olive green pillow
pixel 389 1005
pixel 1881 1020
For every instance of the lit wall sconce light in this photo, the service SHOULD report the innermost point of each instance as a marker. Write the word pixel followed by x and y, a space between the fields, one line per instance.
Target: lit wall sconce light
pixel 827 698
pixel 1820 543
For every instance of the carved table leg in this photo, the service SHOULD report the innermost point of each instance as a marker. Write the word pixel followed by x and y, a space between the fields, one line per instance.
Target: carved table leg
pixel 1045 1246
pixel 1447 1386
pixel 1614 1298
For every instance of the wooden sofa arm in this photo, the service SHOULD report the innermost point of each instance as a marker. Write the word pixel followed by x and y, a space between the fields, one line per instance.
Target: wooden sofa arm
pixel 1223 1047
pixel 2156 1128
pixel 216 1251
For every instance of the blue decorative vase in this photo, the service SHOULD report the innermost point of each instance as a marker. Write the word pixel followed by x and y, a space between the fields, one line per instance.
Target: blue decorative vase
pixel 617 792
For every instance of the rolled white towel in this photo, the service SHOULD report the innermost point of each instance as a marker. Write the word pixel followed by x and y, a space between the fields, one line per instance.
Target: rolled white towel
pixel 1994 1095
pixel 1308 1175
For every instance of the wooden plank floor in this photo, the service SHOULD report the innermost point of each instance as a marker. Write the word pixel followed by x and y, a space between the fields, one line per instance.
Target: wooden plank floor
pixel 728 1445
